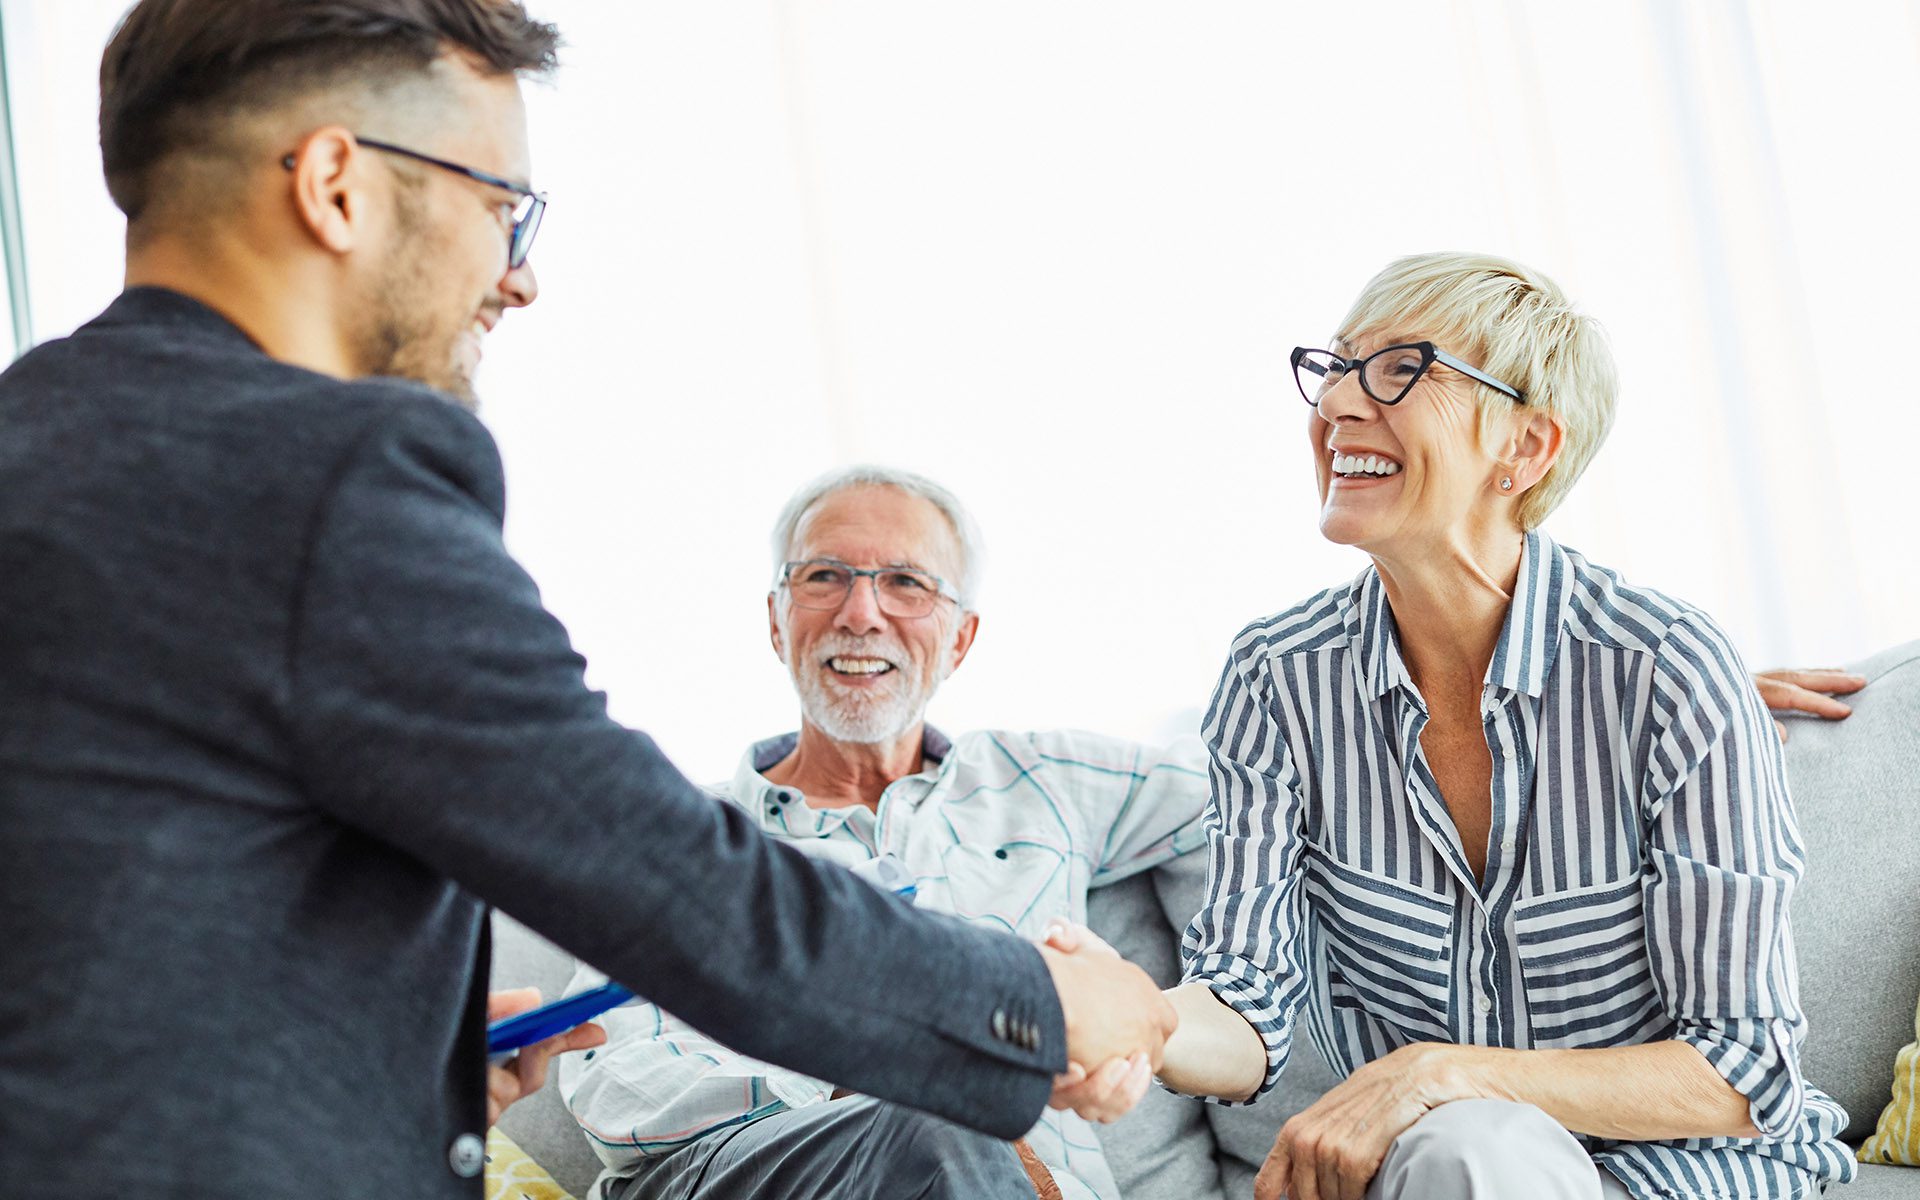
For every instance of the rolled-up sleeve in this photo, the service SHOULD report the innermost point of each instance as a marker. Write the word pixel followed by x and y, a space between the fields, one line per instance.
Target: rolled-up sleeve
pixel 1724 855
pixel 1245 943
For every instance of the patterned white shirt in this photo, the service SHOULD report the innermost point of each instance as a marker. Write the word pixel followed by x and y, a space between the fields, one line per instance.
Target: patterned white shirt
pixel 1642 854
pixel 1003 829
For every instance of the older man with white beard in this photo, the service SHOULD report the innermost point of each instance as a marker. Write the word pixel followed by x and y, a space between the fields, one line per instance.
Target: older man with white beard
pixel 871 610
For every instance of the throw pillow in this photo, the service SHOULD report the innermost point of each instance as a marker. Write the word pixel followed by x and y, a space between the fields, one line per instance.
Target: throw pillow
pixel 511 1175
pixel 1897 1140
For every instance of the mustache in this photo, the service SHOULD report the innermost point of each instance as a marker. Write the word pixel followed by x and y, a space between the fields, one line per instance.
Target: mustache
pixel 840 645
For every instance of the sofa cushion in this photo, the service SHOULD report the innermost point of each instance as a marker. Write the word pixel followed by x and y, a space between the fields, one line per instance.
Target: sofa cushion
pixel 1856 787
pixel 1880 1183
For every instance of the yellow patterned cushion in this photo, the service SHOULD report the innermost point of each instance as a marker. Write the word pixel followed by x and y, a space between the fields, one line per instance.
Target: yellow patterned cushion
pixel 511 1175
pixel 1898 1138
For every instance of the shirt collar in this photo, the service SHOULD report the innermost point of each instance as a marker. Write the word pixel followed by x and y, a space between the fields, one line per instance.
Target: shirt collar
pixel 1523 657
pixel 175 310
pixel 1529 638
pixel 764 798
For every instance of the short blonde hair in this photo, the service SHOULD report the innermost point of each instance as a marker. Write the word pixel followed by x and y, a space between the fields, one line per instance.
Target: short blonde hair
pixel 1519 327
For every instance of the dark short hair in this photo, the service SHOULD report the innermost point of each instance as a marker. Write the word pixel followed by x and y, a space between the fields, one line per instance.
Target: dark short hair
pixel 177 70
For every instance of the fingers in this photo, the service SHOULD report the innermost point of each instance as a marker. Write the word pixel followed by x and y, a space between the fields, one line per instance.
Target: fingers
pixel 1804 691
pixel 1271 1183
pixel 510 1001
pixel 1077 1090
pixel 1071 937
pixel 1065 1082
pixel 503 1088
pixel 580 1037
pixel 1106 1095
pixel 530 1065
pixel 1780 727
pixel 1138 1081
pixel 1826 679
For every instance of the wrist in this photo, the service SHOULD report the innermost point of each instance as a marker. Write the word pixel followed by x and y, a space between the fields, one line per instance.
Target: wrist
pixel 1059 970
pixel 1452 1072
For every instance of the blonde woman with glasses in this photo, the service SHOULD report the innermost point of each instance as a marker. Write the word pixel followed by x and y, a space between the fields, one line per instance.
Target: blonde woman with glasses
pixel 1506 837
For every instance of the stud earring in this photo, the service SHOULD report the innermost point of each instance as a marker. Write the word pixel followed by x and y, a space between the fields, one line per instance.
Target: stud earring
pixel 1506 483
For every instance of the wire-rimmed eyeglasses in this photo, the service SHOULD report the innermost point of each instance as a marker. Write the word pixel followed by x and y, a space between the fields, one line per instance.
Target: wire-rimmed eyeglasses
pixel 825 583
pixel 527 214
pixel 1386 375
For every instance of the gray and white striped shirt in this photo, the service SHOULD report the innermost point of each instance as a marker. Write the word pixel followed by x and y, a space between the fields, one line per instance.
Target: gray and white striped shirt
pixel 1642 854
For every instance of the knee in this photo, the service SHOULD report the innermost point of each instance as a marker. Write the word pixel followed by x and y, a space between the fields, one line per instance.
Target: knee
pixel 939 1159
pixel 1491 1148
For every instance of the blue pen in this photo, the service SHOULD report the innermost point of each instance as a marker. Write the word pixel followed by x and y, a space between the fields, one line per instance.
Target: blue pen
pixel 537 1025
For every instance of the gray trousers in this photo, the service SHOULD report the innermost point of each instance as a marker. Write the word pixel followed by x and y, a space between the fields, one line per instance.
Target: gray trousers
pixel 853 1149
pixel 1490 1150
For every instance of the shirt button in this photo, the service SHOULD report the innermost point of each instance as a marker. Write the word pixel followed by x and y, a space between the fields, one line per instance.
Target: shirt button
pixel 1000 1023
pixel 1507 844
pixel 467 1156
pixel 1483 1004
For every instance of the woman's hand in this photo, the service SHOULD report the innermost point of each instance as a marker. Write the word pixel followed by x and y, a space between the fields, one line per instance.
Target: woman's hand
pixel 1807 692
pixel 1332 1149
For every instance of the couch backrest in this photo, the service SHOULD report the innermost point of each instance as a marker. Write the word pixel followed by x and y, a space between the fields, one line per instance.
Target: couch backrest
pixel 1856 916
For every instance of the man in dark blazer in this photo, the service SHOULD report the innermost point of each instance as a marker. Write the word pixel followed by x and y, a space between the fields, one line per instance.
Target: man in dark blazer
pixel 279 716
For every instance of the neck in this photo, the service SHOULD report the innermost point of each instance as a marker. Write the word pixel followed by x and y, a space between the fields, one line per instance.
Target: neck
pixel 1450 604
pixel 283 306
pixel 832 774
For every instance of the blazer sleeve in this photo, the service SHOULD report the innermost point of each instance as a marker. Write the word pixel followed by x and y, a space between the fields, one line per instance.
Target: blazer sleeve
pixel 436 706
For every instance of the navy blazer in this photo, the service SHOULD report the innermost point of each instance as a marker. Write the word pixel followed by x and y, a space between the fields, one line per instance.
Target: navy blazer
pixel 279 717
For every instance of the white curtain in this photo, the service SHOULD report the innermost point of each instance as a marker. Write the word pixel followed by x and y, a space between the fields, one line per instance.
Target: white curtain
pixel 1055 253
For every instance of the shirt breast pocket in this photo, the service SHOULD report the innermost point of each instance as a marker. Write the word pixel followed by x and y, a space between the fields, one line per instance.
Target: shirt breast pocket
pixel 1015 885
pixel 1388 943
pixel 1589 978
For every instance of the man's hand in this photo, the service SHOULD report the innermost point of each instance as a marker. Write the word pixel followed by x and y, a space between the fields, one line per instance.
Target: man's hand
pixel 1807 692
pixel 1116 1018
pixel 526 1072
pixel 1333 1149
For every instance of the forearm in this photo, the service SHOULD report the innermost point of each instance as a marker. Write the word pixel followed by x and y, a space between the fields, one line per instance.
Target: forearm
pixel 1654 1092
pixel 1214 1052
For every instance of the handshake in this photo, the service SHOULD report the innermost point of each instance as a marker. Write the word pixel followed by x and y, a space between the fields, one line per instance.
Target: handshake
pixel 1117 1021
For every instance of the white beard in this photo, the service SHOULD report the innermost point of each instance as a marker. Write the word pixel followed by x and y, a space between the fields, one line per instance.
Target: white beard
pixel 860 718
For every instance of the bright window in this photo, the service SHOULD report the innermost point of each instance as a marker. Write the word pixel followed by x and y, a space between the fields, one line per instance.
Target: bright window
pixel 1054 255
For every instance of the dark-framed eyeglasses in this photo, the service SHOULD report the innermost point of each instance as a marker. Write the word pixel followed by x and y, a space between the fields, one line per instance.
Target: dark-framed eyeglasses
pixel 1386 375
pixel 527 214
pixel 825 583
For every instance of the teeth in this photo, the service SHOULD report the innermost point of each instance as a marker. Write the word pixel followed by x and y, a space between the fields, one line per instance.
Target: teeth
pixel 1372 464
pixel 859 666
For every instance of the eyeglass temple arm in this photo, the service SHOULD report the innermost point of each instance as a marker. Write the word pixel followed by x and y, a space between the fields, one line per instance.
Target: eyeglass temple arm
pixel 1472 372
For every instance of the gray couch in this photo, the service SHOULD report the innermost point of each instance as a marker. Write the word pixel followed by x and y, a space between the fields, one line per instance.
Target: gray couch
pixel 1856 918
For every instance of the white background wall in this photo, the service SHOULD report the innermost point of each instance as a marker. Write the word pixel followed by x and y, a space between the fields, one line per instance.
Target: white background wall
pixel 1055 254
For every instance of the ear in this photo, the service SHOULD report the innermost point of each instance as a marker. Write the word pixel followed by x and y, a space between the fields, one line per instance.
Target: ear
pixel 329 188
pixel 1538 438
pixel 775 634
pixel 962 642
